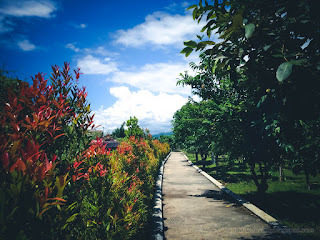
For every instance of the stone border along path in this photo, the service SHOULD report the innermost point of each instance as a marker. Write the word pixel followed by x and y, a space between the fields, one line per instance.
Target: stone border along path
pixel 157 215
pixel 194 208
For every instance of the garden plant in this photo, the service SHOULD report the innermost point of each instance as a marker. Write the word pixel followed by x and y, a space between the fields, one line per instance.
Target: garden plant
pixel 57 182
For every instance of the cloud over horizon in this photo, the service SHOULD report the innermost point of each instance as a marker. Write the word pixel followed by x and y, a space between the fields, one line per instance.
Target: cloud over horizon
pixel 154 111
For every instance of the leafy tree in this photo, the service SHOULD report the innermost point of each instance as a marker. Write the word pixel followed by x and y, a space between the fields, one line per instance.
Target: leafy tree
pixel 192 129
pixel 134 129
pixel 119 132
pixel 268 57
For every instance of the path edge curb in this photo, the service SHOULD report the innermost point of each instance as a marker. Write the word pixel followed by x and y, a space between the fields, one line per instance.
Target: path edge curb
pixel 157 215
pixel 274 223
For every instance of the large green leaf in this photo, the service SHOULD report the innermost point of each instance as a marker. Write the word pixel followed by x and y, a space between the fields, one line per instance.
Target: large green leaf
pixel 249 29
pixel 284 71
pixel 195 13
pixel 299 62
pixel 190 43
pixel 191 7
pixel 187 51
pixel 237 20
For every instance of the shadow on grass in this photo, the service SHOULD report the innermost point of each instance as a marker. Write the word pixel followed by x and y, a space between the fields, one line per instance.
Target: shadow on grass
pixel 289 206
pixel 222 172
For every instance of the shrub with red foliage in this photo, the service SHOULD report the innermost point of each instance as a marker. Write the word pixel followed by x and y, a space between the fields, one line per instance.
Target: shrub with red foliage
pixel 32 122
pixel 55 182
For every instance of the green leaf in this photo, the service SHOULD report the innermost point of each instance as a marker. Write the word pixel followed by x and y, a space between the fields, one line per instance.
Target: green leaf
pixel 207 43
pixel 284 71
pixel 299 62
pixel 109 211
pixel 263 98
pixel 249 29
pixel 200 37
pixel 215 66
pixel 204 28
pixel 237 20
pixel 280 10
pixel 191 7
pixel 219 56
pixel 70 219
pixel 266 47
pixel 187 51
pixel 190 43
pixel 195 13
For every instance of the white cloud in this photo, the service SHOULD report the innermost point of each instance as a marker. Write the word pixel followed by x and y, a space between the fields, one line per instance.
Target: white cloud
pixel 10 9
pixel 159 77
pixel 73 47
pixel 91 51
pixel 185 4
pixel 153 111
pixel 81 26
pixel 25 45
pixel 100 51
pixel 160 28
pixel 92 65
pixel 31 8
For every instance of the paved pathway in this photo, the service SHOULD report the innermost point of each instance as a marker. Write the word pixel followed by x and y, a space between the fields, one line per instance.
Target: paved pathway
pixel 194 208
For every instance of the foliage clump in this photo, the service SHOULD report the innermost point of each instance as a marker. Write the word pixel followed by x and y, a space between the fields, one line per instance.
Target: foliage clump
pixel 258 82
pixel 57 183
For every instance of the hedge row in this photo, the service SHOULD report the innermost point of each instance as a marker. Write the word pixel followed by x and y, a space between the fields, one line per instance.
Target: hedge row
pixel 58 184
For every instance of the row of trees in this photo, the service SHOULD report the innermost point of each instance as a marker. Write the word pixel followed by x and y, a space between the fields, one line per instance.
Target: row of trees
pixel 259 85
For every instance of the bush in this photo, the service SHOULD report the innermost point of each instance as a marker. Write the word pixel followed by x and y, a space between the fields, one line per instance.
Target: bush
pixel 55 184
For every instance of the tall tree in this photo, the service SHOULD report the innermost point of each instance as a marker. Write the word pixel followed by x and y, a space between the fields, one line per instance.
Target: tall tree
pixel 268 57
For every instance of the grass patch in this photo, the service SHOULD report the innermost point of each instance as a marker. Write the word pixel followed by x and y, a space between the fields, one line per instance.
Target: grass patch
pixel 289 201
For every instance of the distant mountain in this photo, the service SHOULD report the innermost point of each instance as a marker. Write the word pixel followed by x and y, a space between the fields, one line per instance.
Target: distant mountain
pixel 160 134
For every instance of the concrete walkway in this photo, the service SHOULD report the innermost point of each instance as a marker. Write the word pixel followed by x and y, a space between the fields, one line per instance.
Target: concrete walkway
pixel 194 208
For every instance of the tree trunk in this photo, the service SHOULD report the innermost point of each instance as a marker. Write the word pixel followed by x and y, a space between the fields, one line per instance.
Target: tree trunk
pixel 217 163
pixel 308 180
pixel 262 186
pixel 280 174
pixel 196 157
pixel 213 158
pixel 203 159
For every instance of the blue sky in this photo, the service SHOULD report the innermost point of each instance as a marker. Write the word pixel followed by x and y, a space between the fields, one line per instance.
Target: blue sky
pixel 127 50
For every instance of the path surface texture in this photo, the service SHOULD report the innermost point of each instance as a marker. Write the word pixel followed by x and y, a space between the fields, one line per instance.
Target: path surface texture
pixel 194 208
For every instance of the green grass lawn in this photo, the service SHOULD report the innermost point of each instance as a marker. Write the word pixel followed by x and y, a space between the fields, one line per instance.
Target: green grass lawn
pixel 289 201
